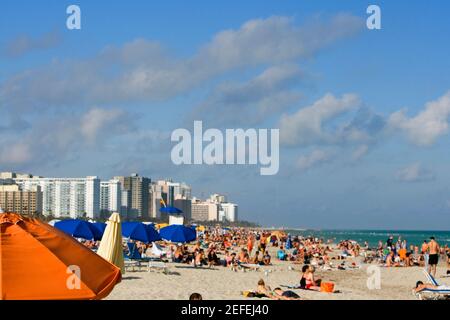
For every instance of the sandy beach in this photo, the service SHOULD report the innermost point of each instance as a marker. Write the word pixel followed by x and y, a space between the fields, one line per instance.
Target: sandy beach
pixel 222 283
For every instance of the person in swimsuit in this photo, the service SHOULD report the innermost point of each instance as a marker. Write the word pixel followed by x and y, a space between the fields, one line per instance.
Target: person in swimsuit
pixel 420 286
pixel 424 250
pixel 433 259
pixel 279 294
pixel 307 280
pixel 263 289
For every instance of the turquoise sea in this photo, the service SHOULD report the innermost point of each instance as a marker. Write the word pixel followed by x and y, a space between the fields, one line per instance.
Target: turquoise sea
pixel 373 236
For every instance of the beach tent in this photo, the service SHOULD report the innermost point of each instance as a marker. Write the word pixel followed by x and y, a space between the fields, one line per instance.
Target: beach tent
pixel 178 233
pixel 139 231
pixel 111 245
pixel 79 229
pixel 40 262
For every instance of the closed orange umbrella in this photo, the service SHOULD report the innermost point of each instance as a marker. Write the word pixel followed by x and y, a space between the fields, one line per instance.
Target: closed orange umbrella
pixel 40 262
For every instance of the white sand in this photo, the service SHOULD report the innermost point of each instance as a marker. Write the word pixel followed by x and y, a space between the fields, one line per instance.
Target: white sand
pixel 222 283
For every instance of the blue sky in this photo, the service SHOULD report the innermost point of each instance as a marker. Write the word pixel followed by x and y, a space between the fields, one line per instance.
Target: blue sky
pixel 103 100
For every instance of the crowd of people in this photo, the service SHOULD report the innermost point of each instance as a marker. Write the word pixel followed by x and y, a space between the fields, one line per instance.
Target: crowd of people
pixel 240 249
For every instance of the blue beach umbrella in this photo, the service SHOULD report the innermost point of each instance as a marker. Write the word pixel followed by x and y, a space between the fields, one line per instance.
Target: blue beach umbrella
pixel 289 243
pixel 101 226
pixel 79 229
pixel 170 210
pixel 178 233
pixel 139 231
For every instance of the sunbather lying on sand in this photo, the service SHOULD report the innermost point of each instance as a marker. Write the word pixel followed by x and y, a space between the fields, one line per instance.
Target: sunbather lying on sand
pixel 279 294
pixel 420 286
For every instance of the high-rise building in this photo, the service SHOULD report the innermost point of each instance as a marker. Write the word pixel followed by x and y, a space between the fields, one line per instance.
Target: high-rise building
pixel 138 188
pixel 66 197
pixel 110 197
pixel 13 199
pixel 228 212
pixel 217 198
pixel 184 205
pixel 204 210
pixel 154 200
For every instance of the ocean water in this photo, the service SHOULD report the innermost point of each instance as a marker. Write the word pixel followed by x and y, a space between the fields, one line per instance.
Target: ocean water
pixel 373 236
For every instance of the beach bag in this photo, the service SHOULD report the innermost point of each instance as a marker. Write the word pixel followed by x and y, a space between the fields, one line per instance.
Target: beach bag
pixel 327 287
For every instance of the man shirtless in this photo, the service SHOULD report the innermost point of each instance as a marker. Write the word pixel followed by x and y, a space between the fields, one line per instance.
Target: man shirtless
pixel 433 248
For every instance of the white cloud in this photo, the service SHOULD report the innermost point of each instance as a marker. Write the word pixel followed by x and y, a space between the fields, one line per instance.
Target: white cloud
pixel 306 126
pixel 414 173
pixel 24 44
pixel 144 71
pixel 96 120
pixel 61 137
pixel 316 157
pixel 426 127
pixel 360 152
pixel 253 101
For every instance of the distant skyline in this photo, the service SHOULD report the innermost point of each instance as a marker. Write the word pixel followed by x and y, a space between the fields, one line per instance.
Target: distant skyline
pixel 363 114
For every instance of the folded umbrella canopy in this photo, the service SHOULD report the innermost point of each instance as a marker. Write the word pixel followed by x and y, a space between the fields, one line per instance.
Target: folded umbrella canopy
pixel 178 233
pixel 170 210
pixel 139 231
pixel 40 262
pixel 79 229
pixel 111 245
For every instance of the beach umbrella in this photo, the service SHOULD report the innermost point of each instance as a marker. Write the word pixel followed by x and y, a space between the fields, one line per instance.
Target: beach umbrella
pixel 201 228
pixel 111 245
pixel 170 210
pixel 159 226
pixel 40 262
pixel 79 229
pixel 101 226
pixel 139 231
pixel 178 233
pixel 279 234
pixel 288 243
pixel 52 222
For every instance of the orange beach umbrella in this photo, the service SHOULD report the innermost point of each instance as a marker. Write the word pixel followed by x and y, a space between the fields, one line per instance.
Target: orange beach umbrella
pixel 40 262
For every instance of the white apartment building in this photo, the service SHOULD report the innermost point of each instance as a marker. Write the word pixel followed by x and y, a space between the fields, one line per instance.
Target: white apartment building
pixel 204 210
pixel 217 198
pixel 154 199
pixel 180 190
pixel 228 212
pixel 66 197
pixel 110 196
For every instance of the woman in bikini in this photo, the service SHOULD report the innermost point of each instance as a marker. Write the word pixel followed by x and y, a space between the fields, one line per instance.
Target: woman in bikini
pixel 308 280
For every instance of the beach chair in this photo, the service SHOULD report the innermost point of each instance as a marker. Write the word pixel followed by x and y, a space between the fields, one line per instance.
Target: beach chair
pixel 133 259
pixel 434 293
pixel 251 266
pixel 157 266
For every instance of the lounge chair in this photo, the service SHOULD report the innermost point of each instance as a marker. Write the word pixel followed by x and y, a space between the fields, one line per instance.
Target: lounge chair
pixel 134 258
pixel 435 293
pixel 251 266
pixel 158 266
